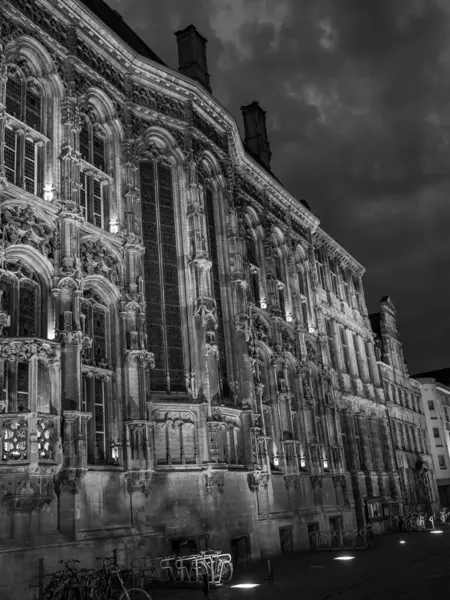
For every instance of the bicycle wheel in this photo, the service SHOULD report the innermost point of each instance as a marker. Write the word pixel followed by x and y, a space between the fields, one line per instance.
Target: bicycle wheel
pixel 227 572
pixel 135 594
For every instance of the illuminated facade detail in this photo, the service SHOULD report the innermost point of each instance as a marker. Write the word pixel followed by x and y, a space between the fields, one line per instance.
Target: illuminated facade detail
pixel 407 420
pixel 184 352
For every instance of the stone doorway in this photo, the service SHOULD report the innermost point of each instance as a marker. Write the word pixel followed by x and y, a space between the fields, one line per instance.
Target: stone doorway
pixel 286 542
pixel 240 551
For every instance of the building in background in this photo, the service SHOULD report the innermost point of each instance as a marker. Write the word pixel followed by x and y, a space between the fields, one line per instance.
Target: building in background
pixel 406 414
pixel 435 387
pixel 185 354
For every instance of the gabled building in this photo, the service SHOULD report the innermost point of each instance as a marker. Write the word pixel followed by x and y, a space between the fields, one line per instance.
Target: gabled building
pixel 185 354
pixel 435 387
pixel 406 414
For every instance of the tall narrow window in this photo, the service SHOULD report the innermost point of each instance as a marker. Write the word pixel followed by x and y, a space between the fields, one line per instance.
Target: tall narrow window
pixel 345 285
pixel 253 288
pixel 93 183
pixel 99 421
pixel 22 386
pixel 27 309
pixel 359 360
pixel 358 296
pixel 215 272
pixel 345 350
pixel 161 277
pixel 334 276
pixel 330 343
pixel 21 152
pixel 320 267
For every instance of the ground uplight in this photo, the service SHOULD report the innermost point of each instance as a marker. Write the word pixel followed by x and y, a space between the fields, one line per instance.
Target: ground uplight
pixel 436 531
pixel 402 542
pixel 344 558
pixel 245 586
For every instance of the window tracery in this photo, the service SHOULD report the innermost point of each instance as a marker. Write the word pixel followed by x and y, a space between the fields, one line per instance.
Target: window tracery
pixel 96 393
pixel 23 141
pixel 94 180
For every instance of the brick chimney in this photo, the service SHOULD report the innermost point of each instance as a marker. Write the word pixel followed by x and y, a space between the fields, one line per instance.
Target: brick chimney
pixel 256 133
pixel 192 56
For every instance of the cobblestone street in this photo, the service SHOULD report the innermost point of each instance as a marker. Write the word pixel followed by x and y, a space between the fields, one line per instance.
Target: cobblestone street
pixel 417 569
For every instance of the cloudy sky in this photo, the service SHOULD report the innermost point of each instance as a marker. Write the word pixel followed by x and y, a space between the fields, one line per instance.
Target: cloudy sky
pixel 358 101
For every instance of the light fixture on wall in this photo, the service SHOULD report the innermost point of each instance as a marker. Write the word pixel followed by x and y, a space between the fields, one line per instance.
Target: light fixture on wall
pixel 276 461
pixel 263 304
pixel 114 225
pixel 325 463
pixel 302 463
pixel 288 317
pixel 115 452
pixel 48 192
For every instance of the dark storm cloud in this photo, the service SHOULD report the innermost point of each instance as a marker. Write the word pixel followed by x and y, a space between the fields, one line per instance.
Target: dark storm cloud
pixel 358 101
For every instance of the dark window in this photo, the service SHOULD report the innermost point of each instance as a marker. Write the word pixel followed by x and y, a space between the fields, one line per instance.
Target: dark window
pixel 435 432
pixel 441 460
pixel 161 277
pixel 320 267
pixel 20 301
pixel 214 255
pixel 334 276
pixel 23 101
pixel 345 350
pixel 430 405
pixel 330 342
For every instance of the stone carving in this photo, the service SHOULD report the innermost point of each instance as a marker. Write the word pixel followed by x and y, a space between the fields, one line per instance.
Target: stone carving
pixel 212 479
pixel 139 481
pixel 218 138
pixel 68 480
pixel 173 419
pixel 25 493
pixel 46 435
pixel 97 259
pixel 19 225
pixel 24 350
pixel 142 356
pixel 45 19
pixel 159 102
pixel 257 479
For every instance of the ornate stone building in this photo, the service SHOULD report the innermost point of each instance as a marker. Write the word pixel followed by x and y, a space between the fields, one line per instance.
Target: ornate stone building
pixel 406 415
pixel 184 352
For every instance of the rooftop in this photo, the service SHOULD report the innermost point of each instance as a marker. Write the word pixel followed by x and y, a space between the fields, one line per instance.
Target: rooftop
pixel 112 19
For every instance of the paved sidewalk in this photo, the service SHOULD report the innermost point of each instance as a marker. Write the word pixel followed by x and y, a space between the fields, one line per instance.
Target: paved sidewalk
pixel 413 570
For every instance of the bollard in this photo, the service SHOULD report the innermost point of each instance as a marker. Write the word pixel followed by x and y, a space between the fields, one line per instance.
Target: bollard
pixel 41 578
pixel 269 570
pixel 205 584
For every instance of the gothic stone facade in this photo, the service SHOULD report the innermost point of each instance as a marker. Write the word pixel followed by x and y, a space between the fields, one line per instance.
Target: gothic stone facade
pixel 406 415
pixel 184 352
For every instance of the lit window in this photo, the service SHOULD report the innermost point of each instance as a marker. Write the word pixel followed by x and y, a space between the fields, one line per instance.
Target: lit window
pixel 93 182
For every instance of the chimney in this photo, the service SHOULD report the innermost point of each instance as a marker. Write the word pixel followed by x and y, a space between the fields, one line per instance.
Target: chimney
pixel 256 133
pixel 192 56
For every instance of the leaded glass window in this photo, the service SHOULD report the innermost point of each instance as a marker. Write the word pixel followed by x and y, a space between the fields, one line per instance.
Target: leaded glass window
pixel 215 273
pixel 162 292
pixel 27 309
pixel 253 275
pixel 93 186
pixel 99 421
pixel 22 386
pixel 10 155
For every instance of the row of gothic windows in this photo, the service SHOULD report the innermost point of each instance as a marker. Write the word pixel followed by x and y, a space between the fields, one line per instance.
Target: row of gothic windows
pixel 335 278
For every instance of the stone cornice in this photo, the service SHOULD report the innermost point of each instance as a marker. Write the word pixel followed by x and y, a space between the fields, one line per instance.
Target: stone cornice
pixel 323 239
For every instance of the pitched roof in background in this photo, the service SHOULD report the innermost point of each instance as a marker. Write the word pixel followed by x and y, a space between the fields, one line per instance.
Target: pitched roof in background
pixel 112 19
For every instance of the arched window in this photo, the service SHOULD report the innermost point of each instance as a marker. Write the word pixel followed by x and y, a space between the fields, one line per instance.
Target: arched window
pixel 96 396
pixel 162 292
pixel 22 148
pixel 215 280
pixel 93 182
